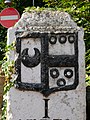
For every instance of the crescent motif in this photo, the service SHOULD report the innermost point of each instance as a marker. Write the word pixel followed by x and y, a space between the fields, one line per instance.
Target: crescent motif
pixel 30 61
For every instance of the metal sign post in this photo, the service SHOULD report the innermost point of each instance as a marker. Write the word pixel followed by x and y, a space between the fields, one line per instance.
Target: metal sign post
pixel 33 2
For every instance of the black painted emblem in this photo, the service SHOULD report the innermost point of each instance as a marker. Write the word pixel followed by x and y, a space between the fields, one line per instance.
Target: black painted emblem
pixel 49 63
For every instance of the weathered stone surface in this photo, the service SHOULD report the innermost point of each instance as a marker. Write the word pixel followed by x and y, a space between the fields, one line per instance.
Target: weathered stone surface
pixel 51 21
pixel 60 105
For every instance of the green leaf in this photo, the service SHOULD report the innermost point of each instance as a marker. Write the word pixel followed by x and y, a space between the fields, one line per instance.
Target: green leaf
pixel 1 0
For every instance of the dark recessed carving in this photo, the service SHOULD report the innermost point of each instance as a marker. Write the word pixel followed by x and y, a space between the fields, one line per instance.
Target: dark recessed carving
pixel 54 73
pixel 68 73
pixel 71 38
pixel 47 62
pixel 53 40
pixel 30 61
pixel 61 82
pixel 62 39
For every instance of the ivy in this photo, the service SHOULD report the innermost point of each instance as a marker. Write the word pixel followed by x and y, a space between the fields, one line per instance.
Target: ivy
pixel 8 70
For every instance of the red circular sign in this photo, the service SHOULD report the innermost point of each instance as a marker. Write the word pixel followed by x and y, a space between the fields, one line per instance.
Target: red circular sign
pixel 8 17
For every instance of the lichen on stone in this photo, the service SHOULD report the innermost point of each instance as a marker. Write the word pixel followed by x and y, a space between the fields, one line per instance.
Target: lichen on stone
pixel 45 20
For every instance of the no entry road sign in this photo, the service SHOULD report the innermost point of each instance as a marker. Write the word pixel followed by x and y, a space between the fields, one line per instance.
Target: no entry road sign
pixel 8 17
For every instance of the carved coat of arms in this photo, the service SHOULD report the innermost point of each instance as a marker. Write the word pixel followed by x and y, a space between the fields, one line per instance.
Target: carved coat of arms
pixel 53 65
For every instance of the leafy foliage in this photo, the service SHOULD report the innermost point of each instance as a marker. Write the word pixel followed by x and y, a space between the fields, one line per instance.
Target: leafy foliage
pixel 4 108
pixel 8 70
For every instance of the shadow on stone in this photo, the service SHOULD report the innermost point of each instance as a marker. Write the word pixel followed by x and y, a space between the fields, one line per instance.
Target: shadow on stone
pixel 88 102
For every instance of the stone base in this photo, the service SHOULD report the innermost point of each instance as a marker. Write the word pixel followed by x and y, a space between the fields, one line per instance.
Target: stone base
pixel 24 104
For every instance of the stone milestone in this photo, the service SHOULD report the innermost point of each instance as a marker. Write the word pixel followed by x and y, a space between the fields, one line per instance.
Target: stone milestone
pixel 50 68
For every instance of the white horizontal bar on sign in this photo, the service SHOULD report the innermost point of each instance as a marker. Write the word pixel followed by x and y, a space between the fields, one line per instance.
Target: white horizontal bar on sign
pixel 11 17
